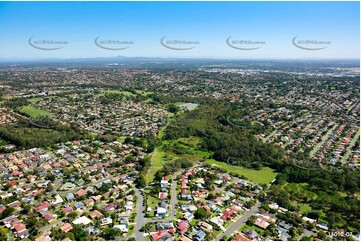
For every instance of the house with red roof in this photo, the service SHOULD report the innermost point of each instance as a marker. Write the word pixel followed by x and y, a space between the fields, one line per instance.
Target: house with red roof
pixel 160 235
pixel 34 194
pixel 163 195
pixel 43 206
pixel 21 231
pixel 228 213
pixel 19 227
pixel 49 217
pixel 183 226
pixel 2 208
pixel 217 200
pixel 12 183
pixel 18 173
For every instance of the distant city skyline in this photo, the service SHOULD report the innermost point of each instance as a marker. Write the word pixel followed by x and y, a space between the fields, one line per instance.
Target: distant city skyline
pixel 222 30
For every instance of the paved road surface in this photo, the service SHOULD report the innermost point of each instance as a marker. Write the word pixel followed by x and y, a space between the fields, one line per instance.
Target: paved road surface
pixel 349 148
pixel 140 217
pixel 174 199
pixel 173 203
pixel 232 228
pixel 49 227
pixel 57 184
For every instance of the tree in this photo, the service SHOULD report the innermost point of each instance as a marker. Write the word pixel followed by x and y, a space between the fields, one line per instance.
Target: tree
pixel 49 187
pixel 7 212
pixel 70 235
pixel 26 208
pixel 110 233
pixel 79 233
pixel 251 220
pixel 200 213
pixel 3 233
pixel 173 108
pixel 72 215
pixel 141 181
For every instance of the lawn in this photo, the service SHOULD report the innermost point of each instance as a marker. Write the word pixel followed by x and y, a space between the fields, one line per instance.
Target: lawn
pixel 121 139
pixel 179 215
pixel 253 227
pixel 34 112
pixel 194 222
pixel 143 92
pixel 152 202
pixel 262 176
pixel 125 93
pixel 131 230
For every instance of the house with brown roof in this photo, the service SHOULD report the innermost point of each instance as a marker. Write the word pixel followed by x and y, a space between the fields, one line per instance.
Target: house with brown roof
pixel 89 202
pixel 81 193
pixel 67 210
pixel 96 214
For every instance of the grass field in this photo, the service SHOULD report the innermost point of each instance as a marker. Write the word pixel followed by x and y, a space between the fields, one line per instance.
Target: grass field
pixel 125 93
pixel 34 100
pixel 157 164
pixel 263 176
pixel 162 129
pixel 193 141
pixel 34 112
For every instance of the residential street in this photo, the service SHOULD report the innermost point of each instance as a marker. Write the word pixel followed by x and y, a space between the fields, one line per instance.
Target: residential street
pixel 324 139
pixel 349 148
pixel 140 217
pixel 232 228
pixel 57 184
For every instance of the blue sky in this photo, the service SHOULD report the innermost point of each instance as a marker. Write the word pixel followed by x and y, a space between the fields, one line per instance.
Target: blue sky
pixel 209 23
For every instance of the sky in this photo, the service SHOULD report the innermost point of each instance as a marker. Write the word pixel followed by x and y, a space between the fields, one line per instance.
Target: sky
pixel 204 25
